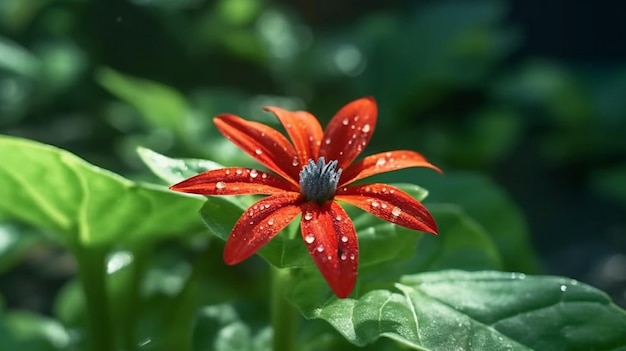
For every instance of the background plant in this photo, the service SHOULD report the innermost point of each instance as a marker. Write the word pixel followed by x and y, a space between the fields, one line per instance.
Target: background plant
pixel 518 137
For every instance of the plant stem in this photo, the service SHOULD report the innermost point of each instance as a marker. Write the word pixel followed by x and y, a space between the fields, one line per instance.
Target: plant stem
pixel 285 317
pixel 92 274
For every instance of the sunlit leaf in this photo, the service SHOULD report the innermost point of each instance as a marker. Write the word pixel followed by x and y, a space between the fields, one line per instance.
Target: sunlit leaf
pixel 54 189
pixel 457 310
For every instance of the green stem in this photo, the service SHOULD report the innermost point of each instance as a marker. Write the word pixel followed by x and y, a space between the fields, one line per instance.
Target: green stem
pixel 92 274
pixel 130 306
pixel 285 317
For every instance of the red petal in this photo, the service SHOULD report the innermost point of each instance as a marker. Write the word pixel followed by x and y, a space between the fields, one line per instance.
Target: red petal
pixel 303 129
pixel 265 144
pixel 349 132
pixel 390 204
pixel 234 181
pixel 331 239
pixel 384 162
pixel 259 224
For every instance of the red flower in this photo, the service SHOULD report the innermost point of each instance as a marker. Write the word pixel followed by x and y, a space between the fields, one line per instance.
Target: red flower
pixel 314 170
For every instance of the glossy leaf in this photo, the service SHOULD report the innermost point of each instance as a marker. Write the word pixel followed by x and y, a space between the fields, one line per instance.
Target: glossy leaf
pixel 54 189
pixel 458 310
pixel 174 170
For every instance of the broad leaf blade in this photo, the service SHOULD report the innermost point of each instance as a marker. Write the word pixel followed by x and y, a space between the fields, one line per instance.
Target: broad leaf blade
pixel 52 188
pixel 173 170
pixel 452 310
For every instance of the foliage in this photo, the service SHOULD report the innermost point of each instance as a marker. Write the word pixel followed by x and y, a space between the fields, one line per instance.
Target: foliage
pixel 135 266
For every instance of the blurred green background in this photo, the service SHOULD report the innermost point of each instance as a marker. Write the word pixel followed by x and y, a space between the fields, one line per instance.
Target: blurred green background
pixel 528 95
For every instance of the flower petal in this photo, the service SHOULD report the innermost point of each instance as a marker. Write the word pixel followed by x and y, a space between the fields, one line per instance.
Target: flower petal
pixel 332 242
pixel 259 224
pixel 384 162
pixel 265 144
pixel 390 204
pixel 349 132
pixel 303 129
pixel 234 181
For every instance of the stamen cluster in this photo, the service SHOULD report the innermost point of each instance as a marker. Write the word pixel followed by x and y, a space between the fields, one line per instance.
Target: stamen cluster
pixel 318 181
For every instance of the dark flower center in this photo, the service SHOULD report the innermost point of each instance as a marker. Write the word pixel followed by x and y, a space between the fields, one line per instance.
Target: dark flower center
pixel 318 181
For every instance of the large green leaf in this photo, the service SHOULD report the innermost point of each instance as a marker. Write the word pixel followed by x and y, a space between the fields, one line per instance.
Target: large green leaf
pixel 54 189
pixel 488 205
pixel 458 310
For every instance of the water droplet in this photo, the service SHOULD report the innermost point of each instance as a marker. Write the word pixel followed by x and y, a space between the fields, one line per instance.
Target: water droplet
pixel 388 154
pixel 251 222
pixel 384 205
pixel 228 172
pixel 270 222
pixel 345 121
pixel 261 228
pixel 295 162
pixel 320 248
pixel 343 256
pixel 253 173
pixel 263 175
pixel 263 134
pixel 329 257
pixel 384 190
pixel 239 172
pixel 368 189
pixel 344 239
pixel 392 191
pixel 288 125
pixel 380 162
pixel 366 128
pixel 352 257
pixel 396 211
pixel 308 216
pixel 258 151
pixel 375 204
pixel 327 141
pixel 356 118
pixel 310 238
pixel 338 218
pixel 250 213
pixel 563 288
pixel 220 185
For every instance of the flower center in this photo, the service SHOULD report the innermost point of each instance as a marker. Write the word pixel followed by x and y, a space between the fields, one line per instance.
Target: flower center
pixel 318 181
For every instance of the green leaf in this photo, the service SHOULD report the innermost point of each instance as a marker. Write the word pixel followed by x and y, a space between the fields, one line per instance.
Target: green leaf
pixel 379 241
pixel 457 310
pixel 29 331
pixel 220 328
pixel 173 170
pixel 490 207
pixel 52 188
pixel 161 106
pixel 462 244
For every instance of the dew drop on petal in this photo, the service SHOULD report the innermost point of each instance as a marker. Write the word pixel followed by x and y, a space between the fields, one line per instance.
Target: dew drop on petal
pixel 392 191
pixel 343 256
pixel 308 216
pixel 295 162
pixel 228 172
pixel 220 185
pixel 239 172
pixel 320 248
pixel 327 141
pixel 366 128
pixel 344 239
pixel 258 151
pixel 338 218
pixel 270 222
pixel 352 257
pixel 261 228
pixel 388 154
pixel 375 204
pixel 384 205
pixel 251 222
pixel 380 162
pixel 310 238
pixel 396 211
pixel 264 175
pixel 253 173
pixel 345 121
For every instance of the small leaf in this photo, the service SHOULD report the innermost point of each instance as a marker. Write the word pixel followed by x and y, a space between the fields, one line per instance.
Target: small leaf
pixel 161 106
pixel 173 170
pixel 220 328
pixel 52 188
pixel 457 310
